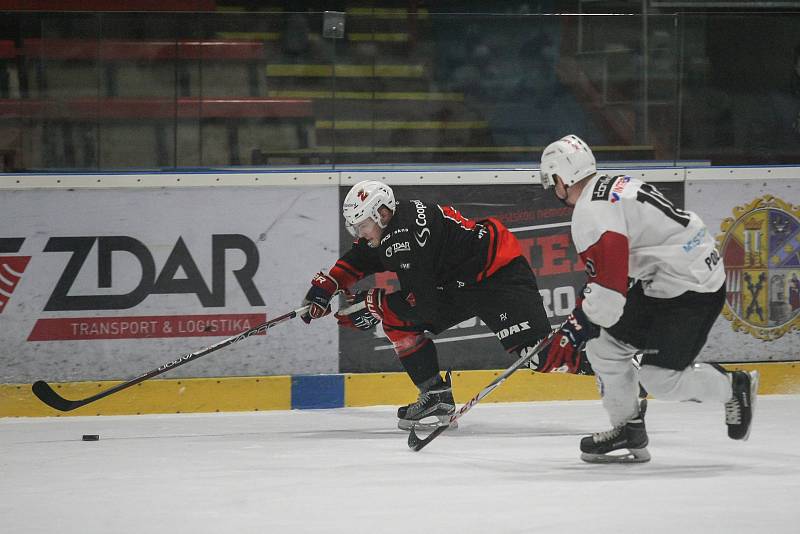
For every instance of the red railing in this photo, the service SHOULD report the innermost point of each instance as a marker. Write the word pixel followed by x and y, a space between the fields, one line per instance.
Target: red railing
pixel 110 50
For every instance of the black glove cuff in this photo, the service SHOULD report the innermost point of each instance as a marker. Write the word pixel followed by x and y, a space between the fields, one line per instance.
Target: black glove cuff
pixel 591 330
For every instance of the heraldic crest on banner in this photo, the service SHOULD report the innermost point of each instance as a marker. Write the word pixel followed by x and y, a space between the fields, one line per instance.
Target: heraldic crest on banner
pixel 760 246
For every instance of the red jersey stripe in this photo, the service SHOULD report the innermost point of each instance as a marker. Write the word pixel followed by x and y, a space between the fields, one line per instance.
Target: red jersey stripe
pixel 345 274
pixel 607 262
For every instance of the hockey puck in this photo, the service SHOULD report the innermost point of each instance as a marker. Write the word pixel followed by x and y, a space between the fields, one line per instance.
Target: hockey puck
pixel 90 437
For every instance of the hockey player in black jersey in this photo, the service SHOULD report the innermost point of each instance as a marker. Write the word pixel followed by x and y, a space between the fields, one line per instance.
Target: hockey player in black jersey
pixel 450 269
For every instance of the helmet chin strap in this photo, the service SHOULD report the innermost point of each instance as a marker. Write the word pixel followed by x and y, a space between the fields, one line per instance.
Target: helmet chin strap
pixel 381 226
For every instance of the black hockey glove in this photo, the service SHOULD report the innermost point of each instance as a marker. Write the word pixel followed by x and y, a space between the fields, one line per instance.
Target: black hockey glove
pixel 364 310
pixel 323 287
pixel 579 365
pixel 565 352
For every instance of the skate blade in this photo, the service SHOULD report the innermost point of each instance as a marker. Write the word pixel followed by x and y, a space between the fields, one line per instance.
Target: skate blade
pixel 429 423
pixel 633 456
pixel 753 395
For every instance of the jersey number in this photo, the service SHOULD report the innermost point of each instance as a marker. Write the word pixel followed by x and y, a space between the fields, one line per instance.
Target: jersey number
pixel 650 195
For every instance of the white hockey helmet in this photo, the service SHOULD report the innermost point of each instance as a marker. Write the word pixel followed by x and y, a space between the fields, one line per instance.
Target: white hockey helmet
pixel 363 202
pixel 569 158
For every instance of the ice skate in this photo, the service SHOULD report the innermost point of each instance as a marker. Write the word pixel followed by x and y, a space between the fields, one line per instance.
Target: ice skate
pixel 433 408
pixel 739 410
pixel 631 438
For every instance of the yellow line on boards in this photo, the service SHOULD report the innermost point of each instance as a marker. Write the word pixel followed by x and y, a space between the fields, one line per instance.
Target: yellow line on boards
pixel 183 395
pixel 229 394
pixel 378 37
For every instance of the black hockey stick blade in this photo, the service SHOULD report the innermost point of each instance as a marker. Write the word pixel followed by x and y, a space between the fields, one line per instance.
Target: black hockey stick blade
pixel 47 395
pixel 415 443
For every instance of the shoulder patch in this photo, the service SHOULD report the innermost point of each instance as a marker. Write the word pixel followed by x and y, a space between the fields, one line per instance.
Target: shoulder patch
pixel 602 189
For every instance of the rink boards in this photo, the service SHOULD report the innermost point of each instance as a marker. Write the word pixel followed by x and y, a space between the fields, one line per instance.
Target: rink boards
pixel 201 395
pixel 104 276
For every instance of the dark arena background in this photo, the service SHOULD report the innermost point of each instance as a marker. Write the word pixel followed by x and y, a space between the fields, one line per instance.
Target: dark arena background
pixel 172 177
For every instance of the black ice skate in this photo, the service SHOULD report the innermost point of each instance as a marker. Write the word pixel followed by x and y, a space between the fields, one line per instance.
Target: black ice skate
pixel 739 410
pixel 433 408
pixel 630 437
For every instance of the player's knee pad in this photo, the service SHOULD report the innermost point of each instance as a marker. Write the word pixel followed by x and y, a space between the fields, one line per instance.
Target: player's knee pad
pixel 418 357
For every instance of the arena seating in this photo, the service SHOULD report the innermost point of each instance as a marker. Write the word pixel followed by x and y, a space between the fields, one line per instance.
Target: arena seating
pixel 63 68
pixel 115 104
pixel 142 132
pixel 117 91
pixel 379 104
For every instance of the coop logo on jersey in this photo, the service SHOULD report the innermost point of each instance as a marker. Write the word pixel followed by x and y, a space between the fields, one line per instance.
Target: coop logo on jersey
pixel 421 236
pixel 11 268
pixel 760 246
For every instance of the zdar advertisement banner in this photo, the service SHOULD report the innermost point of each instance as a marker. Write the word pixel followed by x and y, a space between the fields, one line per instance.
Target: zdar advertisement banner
pixel 104 284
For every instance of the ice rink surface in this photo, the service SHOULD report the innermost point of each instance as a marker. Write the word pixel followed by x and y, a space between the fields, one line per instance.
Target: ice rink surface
pixel 509 468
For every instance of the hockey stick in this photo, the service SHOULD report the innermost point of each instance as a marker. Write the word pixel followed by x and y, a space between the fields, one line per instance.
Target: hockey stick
pixel 47 395
pixel 416 443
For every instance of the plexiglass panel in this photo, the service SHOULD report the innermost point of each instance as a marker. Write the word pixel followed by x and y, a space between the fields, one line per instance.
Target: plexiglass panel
pixel 121 91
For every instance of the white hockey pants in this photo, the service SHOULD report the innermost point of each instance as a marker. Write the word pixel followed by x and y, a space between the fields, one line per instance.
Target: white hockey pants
pixel 618 377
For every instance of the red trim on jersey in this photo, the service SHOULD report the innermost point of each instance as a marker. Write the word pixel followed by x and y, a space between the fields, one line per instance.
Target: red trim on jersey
pixel 449 212
pixel 503 247
pixel 405 343
pixel 608 260
pixel 345 274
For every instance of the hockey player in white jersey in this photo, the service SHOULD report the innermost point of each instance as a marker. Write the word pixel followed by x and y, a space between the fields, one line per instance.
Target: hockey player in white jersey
pixel 656 284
